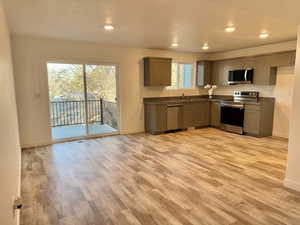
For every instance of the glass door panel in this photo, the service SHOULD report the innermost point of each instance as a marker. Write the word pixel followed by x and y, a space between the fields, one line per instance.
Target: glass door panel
pixel 101 94
pixel 66 100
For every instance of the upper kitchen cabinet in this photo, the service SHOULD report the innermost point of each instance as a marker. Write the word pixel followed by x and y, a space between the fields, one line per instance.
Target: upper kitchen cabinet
pixel 264 73
pixel 203 73
pixel 265 67
pixel 282 59
pixel 157 71
pixel 220 71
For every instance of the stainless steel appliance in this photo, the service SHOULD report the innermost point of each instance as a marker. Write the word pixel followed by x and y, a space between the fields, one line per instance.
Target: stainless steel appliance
pixel 244 76
pixel 232 112
pixel 174 116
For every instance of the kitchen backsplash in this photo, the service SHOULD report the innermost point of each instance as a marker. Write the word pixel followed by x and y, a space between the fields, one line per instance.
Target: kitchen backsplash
pixel 265 91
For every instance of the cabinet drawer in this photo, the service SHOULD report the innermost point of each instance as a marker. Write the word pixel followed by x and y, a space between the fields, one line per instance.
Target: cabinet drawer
pixel 252 108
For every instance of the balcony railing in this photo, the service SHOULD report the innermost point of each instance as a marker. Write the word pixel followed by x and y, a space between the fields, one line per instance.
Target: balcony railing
pixel 65 113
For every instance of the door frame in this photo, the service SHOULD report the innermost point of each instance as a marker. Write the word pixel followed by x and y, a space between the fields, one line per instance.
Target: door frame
pixel 87 62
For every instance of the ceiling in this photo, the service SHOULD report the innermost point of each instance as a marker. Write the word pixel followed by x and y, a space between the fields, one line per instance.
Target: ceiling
pixel 158 23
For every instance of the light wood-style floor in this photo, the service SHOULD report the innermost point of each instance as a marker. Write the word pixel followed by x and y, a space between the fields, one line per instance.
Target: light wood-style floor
pixel 204 176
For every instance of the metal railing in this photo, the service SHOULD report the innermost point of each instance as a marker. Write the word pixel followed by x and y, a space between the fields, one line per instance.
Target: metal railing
pixel 64 113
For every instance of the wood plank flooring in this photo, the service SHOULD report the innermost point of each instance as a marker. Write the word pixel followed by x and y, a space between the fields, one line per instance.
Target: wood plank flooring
pixel 204 176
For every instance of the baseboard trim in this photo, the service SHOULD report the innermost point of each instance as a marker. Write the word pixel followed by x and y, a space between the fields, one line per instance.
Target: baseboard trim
pixel 43 144
pixel 291 184
pixel 280 138
pixel 85 137
pixel 35 145
pixel 124 132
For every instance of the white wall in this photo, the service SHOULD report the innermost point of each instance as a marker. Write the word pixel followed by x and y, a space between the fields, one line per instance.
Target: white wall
pixel 9 139
pixel 283 92
pixel 292 179
pixel 31 55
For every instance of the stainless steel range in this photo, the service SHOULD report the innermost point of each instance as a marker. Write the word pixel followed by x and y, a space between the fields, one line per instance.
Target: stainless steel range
pixel 232 112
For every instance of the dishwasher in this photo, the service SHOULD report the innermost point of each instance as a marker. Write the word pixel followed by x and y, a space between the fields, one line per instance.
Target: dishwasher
pixel 174 116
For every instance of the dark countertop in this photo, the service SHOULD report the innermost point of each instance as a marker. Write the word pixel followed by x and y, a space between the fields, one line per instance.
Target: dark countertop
pixel 199 98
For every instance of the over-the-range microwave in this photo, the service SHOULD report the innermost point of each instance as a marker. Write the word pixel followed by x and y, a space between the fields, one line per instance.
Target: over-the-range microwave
pixel 244 76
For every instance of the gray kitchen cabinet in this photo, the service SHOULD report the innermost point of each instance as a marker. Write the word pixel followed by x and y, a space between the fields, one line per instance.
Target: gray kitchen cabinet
pixel 203 73
pixel 215 113
pixel 196 114
pixel 265 67
pixel 262 72
pixel 157 71
pixel 282 59
pixel 258 119
pixel 174 116
pixel 220 70
pixel 252 120
pixel 155 118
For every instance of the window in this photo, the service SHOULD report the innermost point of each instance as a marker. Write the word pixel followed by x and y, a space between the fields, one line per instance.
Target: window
pixel 182 76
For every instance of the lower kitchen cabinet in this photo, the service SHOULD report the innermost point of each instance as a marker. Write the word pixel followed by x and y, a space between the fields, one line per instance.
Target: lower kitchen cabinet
pixel 258 119
pixel 252 120
pixel 196 114
pixel 175 116
pixel 163 117
pixel 215 114
pixel 155 118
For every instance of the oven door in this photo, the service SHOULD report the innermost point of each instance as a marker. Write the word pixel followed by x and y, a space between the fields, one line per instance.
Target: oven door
pixel 232 117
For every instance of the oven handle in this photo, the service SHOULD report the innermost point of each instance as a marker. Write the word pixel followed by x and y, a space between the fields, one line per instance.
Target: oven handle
pixel 240 106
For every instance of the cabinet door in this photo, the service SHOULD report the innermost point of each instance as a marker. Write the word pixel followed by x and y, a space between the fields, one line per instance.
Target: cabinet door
pixel 196 114
pixel 155 118
pixel 215 114
pixel 160 118
pixel 205 114
pixel 252 119
pixel 157 71
pixel 174 117
pixel 262 71
pixel 283 59
pixel 220 71
pixel 203 73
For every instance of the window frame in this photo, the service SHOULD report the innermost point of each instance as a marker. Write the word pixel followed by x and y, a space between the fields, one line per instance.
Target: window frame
pixel 193 77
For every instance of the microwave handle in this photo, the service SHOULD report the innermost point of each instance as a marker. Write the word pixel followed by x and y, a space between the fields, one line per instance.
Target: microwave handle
pixel 246 74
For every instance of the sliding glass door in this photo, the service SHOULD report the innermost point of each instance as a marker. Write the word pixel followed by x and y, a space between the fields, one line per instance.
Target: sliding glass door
pixel 83 99
pixel 101 94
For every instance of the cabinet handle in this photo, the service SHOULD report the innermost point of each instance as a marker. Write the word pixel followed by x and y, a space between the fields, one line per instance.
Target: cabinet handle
pixel 176 105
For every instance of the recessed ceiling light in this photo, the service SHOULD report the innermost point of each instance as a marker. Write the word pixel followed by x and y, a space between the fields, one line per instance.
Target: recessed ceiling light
pixel 205 46
pixel 108 27
pixel 175 44
pixel 264 35
pixel 230 29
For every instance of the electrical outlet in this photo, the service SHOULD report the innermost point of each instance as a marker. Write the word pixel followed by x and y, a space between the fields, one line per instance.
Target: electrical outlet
pixel 17 204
